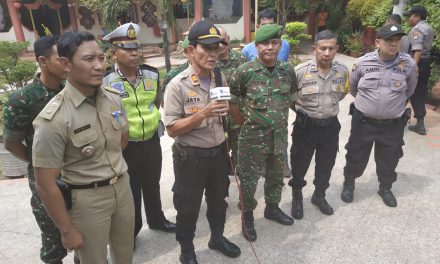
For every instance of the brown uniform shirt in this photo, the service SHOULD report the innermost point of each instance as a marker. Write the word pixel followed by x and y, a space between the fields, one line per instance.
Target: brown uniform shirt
pixel 69 124
pixel 184 97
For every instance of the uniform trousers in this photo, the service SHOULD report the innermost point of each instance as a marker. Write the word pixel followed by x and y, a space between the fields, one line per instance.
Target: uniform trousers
pixel 52 250
pixel 196 171
pixel 418 99
pixel 104 215
pixel 144 161
pixel 388 142
pixel 251 166
pixel 321 140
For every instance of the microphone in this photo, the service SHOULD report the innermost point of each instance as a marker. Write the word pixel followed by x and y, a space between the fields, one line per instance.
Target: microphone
pixel 220 93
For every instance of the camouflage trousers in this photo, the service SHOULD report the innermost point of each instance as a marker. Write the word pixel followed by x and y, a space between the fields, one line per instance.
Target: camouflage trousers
pixel 52 250
pixel 233 144
pixel 251 166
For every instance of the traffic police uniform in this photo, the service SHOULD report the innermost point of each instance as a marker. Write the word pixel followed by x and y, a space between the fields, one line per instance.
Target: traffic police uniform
pixel 421 37
pixel 316 127
pixel 143 153
pixel 82 137
pixel 18 113
pixel 381 90
pixel 200 163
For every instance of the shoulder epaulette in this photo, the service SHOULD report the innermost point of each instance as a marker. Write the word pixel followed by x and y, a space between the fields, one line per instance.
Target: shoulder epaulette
pixel 302 65
pixel 148 67
pixel 111 89
pixel 52 107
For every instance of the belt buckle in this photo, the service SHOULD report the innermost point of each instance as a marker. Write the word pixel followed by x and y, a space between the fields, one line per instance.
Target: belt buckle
pixel 114 180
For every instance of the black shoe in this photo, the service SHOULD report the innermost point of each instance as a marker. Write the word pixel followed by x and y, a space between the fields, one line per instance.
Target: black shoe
pixel 247 227
pixel 322 204
pixel 387 197
pixel 347 193
pixel 219 242
pixel 273 212
pixel 297 204
pixel 166 226
pixel 418 129
pixel 188 258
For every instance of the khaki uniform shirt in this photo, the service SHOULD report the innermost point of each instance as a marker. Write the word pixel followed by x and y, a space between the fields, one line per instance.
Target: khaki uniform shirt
pixel 382 89
pixel 421 37
pixel 319 95
pixel 184 97
pixel 69 124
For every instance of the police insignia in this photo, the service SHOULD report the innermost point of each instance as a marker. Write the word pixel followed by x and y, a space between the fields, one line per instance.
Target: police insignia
pixel 338 74
pixel 397 84
pixel 194 79
pixel 212 31
pixel 308 76
pixel 402 64
pixel 354 67
pixel 192 93
pixel 194 109
pixel 131 32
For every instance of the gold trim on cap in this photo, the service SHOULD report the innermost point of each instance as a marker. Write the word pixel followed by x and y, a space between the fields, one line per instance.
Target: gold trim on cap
pixel 125 42
pixel 209 36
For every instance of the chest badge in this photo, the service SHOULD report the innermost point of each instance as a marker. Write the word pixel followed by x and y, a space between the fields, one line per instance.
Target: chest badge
pixel 148 84
pixel 397 83
pixel 308 76
pixel 195 79
pixel 402 64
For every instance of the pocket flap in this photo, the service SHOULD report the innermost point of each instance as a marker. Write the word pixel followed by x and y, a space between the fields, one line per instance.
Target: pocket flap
pixel 85 137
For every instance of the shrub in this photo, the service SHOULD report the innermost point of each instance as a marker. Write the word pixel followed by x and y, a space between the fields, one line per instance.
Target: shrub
pixel 295 33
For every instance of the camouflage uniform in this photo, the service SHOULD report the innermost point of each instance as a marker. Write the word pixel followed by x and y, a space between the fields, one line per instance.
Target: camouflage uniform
pixel 227 68
pixel 263 97
pixel 18 113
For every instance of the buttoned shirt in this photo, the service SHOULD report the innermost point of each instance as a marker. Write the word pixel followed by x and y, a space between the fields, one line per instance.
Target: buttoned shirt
pixel 184 96
pixel 71 124
pixel 382 89
pixel 421 37
pixel 319 95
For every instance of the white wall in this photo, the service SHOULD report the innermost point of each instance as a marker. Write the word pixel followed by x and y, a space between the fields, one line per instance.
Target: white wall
pixel 236 30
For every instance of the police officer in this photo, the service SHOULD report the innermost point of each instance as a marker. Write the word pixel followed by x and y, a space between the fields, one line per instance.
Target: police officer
pixel 18 113
pixel 381 82
pixel 421 37
pixel 396 19
pixel 80 134
pixel 322 83
pixel 262 91
pixel 140 92
pixel 199 150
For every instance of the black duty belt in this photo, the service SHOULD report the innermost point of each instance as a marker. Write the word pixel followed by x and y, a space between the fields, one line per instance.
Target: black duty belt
pixel 202 152
pixel 377 121
pixel 97 184
pixel 322 122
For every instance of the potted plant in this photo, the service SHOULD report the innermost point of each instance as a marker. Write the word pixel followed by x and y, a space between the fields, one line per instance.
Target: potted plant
pixel 295 33
pixel 14 74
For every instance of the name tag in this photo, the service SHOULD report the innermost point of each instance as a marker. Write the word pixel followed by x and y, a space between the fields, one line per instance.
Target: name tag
pixel 310 90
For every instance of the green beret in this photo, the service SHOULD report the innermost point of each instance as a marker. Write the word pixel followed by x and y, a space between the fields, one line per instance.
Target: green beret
pixel 185 43
pixel 268 31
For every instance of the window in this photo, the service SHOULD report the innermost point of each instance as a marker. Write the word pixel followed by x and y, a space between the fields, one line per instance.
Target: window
pixel 222 11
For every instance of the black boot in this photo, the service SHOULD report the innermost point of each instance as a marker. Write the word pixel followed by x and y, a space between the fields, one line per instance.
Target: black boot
pixel 297 204
pixel 247 227
pixel 219 242
pixel 273 212
pixel 188 258
pixel 347 191
pixel 318 199
pixel 387 197
pixel 419 128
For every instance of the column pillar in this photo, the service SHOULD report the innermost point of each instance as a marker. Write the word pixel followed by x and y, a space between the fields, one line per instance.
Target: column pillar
pixel 15 19
pixel 198 10
pixel 247 20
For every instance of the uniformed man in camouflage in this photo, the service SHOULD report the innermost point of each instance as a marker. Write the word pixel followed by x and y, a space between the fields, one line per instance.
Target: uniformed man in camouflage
pixel 262 92
pixel 140 92
pixel 228 61
pixel 421 37
pixel 19 112
pixel 381 82
pixel 322 83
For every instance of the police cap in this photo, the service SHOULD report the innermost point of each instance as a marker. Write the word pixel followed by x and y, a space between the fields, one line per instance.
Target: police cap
pixel 420 10
pixel 204 32
pixel 390 30
pixel 124 36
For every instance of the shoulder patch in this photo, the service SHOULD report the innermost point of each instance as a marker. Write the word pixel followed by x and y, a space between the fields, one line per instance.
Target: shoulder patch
pixel 52 107
pixel 111 89
pixel 354 67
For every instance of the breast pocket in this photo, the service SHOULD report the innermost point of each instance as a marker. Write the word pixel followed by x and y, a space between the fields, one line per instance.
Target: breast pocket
pixel 310 95
pixel 192 109
pixel 398 82
pixel 369 81
pixel 337 92
pixel 257 98
pixel 84 139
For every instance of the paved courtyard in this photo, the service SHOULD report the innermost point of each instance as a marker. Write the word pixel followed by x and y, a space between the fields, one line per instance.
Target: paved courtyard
pixel 365 231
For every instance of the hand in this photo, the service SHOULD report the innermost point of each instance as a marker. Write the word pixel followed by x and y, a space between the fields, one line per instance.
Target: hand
pixel 216 108
pixel 72 239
